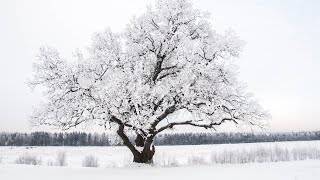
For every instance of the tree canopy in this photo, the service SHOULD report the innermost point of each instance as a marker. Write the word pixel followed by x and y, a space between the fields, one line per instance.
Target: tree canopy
pixel 169 59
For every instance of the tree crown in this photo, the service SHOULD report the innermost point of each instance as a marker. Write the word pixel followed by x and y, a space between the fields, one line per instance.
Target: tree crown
pixel 168 60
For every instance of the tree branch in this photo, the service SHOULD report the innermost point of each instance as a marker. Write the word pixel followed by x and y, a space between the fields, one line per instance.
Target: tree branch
pixel 158 68
pixel 123 136
pixel 168 111
pixel 192 123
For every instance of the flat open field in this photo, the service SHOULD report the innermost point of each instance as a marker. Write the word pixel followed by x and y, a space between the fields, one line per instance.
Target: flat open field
pixel 283 160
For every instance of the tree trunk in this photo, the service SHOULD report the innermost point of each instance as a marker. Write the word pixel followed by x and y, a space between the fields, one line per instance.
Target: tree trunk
pixel 148 150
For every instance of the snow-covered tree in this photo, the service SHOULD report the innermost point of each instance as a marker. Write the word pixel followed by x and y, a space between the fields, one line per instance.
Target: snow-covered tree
pixel 167 61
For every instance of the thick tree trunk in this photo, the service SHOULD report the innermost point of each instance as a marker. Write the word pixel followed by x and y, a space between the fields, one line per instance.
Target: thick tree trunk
pixel 144 157
pixel 148 150
pixel 144 150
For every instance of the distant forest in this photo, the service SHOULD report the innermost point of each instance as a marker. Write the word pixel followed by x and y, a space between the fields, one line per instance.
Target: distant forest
pixel 95 139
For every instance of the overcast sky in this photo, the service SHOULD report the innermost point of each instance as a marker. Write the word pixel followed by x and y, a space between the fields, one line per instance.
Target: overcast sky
pixel 280 62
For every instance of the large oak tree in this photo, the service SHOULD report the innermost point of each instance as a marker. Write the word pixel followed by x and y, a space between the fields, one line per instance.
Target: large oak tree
pixel 167 61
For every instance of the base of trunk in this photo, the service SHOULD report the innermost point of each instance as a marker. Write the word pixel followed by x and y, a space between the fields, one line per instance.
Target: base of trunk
pixel 142 160
pixel 144 157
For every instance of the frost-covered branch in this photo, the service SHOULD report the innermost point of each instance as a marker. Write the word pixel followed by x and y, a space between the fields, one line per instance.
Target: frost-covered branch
pixel 192 123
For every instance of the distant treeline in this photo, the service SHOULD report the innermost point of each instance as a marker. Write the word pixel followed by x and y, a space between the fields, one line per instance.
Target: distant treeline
pixel 95 139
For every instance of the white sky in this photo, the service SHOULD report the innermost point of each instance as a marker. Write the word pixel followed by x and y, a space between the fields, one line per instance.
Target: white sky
pixel 280 63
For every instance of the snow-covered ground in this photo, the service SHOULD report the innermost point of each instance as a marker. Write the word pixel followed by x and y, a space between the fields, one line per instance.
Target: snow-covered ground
pixel 299 170
pixel 115 162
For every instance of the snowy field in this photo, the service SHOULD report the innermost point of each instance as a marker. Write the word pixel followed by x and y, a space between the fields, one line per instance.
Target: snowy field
pixel 264 161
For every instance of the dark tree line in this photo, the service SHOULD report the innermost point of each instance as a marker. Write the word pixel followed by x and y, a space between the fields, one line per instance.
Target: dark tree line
pixel 232 138
pixel 95 139
pixel 54 139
